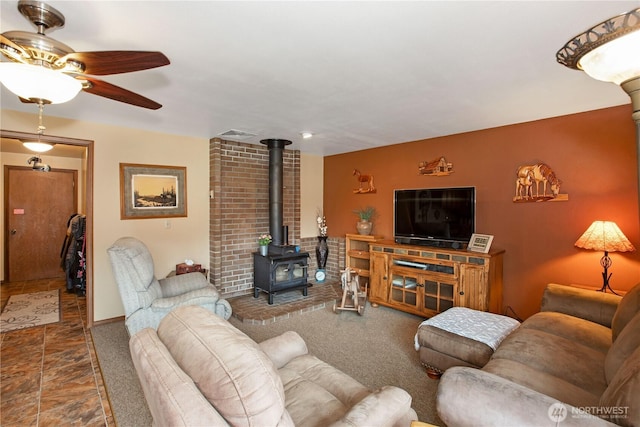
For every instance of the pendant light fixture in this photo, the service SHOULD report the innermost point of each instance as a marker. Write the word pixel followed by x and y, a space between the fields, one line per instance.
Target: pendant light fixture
pixel 38 146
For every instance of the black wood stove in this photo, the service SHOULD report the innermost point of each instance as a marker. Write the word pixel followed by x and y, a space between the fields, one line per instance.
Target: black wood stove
pixel 283 268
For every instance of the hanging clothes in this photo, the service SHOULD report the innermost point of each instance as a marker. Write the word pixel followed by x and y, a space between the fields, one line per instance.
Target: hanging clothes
pixel 73 255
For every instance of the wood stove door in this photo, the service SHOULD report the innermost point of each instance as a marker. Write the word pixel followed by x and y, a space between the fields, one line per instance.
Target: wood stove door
pixel 290 273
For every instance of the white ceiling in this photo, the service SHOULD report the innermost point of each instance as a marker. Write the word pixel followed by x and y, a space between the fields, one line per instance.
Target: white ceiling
pixel 356 74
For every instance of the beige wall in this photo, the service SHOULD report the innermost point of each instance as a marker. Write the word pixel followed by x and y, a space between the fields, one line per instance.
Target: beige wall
pixel 187 237
pixel 311 193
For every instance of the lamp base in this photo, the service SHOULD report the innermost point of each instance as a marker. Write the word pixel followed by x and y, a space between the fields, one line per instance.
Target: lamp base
pixel 605 287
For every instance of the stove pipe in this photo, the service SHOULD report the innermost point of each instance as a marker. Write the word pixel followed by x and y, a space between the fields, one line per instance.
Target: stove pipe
pixel 276 185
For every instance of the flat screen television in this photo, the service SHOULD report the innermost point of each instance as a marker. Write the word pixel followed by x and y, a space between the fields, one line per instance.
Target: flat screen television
pixel 443 217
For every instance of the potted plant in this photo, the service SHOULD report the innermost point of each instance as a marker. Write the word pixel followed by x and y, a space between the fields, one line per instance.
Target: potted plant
pixel 264 241
pixel 365 214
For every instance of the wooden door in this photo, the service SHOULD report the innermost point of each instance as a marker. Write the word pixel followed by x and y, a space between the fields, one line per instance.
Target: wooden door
pixel 472 290
pixel 379 280
pixel 38 206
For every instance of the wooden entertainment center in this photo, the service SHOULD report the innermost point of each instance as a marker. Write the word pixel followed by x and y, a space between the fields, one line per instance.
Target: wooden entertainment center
pixel 428 280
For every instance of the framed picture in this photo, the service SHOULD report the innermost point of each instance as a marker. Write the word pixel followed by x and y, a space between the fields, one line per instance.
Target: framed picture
pixel 480 243
pixel 152 191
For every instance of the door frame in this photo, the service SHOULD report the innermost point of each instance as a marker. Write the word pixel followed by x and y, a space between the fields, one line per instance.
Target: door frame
pixel 88 188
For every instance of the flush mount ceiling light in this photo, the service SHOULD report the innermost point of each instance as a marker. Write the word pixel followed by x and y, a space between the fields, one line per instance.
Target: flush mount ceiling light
pixel 306 135
pixel 610 51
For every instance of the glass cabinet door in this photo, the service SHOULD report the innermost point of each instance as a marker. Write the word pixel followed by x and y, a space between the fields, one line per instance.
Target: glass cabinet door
pixel 438 295
pixel 404 289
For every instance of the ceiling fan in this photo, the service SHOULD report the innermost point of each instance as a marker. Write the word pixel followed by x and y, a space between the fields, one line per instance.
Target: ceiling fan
pixel 30 53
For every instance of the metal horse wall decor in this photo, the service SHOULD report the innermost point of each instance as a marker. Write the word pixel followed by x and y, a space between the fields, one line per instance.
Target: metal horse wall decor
pixel 530 176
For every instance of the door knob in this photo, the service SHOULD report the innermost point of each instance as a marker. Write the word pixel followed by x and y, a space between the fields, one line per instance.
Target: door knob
pixel 14 231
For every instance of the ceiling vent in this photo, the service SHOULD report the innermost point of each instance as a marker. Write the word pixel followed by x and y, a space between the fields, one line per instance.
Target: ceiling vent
pixel 234 133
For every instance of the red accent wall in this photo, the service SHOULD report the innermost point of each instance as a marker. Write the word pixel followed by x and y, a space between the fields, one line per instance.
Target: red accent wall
pixel 593 154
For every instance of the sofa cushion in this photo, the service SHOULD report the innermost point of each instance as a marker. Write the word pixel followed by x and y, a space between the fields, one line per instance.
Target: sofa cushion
pixel 590 334
pixel 557 356
pixel 312 383
pixel 623 391
pixel 542 382
pixel 627 309
pixel 628 341
pixel 228 367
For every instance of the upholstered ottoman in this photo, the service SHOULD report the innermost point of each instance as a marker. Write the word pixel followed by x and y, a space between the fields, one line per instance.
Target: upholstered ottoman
pixel 460 337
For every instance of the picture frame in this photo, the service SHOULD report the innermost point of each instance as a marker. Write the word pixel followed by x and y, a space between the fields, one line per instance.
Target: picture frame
pixel 152 191
pixel 480 243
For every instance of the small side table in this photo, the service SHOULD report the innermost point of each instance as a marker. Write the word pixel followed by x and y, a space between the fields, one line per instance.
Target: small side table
pixel 173 273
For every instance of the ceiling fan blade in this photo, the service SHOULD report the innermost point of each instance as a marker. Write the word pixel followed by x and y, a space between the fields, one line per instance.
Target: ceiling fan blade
pixel 117 61
pixel 107 90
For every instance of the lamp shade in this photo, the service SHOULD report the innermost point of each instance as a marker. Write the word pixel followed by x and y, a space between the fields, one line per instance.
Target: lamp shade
pixel 612 62
pixel 34 82
pixel 607 51
pixel 605 236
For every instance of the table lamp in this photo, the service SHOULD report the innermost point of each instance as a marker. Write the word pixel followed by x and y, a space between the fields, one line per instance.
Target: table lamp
pixel 605 236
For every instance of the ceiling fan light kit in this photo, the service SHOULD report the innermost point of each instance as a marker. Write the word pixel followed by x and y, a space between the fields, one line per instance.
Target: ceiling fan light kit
pixel 43 70
pixel 34 83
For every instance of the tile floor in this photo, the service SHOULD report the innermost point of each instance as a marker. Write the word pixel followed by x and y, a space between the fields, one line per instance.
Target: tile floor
pixel 49 375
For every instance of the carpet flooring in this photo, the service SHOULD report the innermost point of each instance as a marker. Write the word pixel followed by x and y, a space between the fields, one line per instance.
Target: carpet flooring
pixel 375 348
pixel 29 310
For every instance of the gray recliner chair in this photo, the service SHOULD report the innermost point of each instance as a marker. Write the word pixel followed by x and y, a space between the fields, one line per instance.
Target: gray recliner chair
pixel 146 299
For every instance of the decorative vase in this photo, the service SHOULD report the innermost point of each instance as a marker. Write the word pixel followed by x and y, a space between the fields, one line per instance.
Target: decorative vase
pixel 322 251
pixel 364 227
pixel 264 250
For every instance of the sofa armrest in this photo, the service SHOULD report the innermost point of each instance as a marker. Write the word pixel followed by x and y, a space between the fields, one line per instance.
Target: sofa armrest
pixel 472 397
pixel 598 307
pixel 176 285
pixel 284 348
pixel 388 406
pixel 207 295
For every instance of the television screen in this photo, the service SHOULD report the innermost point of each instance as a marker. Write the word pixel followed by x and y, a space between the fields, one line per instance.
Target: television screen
pixel 431 215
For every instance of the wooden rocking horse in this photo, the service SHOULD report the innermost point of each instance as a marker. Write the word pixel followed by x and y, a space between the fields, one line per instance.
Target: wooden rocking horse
pixel 353 298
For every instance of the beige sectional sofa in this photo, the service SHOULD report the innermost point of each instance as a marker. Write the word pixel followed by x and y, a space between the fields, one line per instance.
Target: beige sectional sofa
pixel 578 357
pixel 198 369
